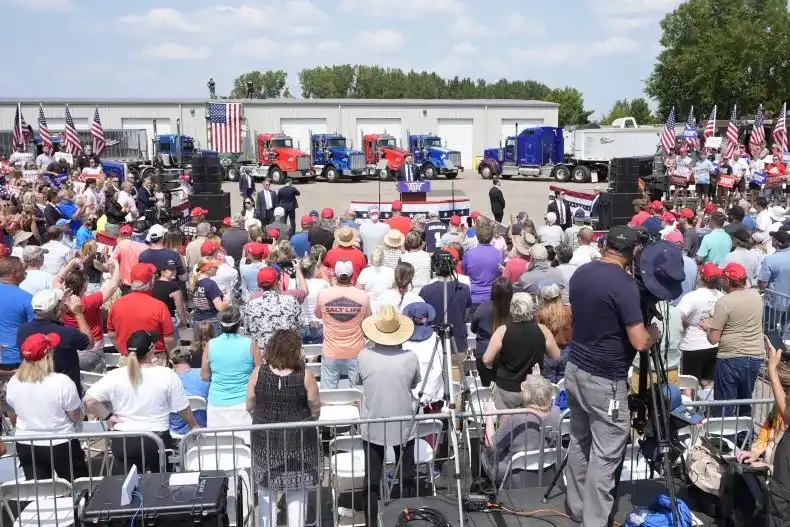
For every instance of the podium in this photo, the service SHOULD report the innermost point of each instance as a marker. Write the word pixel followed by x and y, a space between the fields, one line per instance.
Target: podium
pixel 414 191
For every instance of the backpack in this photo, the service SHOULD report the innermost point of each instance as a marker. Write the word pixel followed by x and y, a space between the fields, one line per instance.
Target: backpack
pixel 659 514
pixel 744 497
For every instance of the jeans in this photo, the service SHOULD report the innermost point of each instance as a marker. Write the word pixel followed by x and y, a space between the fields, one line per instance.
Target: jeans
pixel 332 369
pixel 312 334
pixel 735 379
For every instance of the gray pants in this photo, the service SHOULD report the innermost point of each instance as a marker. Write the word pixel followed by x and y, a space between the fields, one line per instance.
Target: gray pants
pixel 597 446
pixel 505 400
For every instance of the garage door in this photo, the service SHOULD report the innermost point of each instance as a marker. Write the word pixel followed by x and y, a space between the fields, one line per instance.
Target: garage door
pixel 299 130
pixel 458 134
pixel 58 125
pixel 162 128
pixel 509 126
pixel 377 126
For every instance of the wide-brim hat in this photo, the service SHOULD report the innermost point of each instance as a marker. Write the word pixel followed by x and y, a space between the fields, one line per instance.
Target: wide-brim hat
pixel 344 236
pixel 394 239
pixel 388 327
pixel 661 268
pixel 523 243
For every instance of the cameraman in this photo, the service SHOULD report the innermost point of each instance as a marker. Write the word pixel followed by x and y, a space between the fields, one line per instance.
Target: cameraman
pixel 608 329
pixel 459 297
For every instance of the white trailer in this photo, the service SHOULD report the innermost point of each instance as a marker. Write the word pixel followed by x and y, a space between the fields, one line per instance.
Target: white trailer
pixel 588 151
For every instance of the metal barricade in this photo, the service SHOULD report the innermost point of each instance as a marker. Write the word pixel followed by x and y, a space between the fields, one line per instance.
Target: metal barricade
pixel 776 312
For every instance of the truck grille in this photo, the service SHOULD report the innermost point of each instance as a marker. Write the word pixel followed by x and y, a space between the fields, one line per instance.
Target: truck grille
pixel 455 159
pixel 303 163
pixel 357 161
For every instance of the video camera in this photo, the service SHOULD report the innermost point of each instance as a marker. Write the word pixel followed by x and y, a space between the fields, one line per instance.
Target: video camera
pixel 442 264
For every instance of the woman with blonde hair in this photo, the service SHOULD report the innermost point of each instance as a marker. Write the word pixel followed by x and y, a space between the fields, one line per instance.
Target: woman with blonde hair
pixel 376 278
pixel 402 293
pixel 318 253
pixel 142 396
pixel 45 403
pixel 557 317
pixel 312 331
pixel 517 348
pixel 207 297
pixel 94 264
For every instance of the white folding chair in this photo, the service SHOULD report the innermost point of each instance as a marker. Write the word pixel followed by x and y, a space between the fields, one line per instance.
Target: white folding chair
pixel 724 427
pixel 312 351
pixel 89 378
pixel 50 502
pixel 688 382
pixel 89 484
pixel 112 360
pixel 234 460
pixel 98 445
pixel 559 385
pixel 340 404
pixel 314 368
pixel 196 403
pixel 530 461
pixel 424 453
pixel 347 470
pixel 10 467
pixel 635 465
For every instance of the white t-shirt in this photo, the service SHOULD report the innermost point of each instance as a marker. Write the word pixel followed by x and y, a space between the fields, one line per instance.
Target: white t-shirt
pixel 58 254
pixel 36 280
pixel 376 280
pixel 314 286
pixel 696 306
pixel 392 297
pixel 421 261
pixel 434 387
pixel 585 254
pixel 551 235
pixel 42 408
pixel 147 406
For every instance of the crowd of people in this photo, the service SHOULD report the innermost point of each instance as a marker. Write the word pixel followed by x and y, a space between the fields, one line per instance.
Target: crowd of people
pixel 85 271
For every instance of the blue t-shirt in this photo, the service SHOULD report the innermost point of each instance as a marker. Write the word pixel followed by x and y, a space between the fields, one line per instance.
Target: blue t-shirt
pixel 249 278
pixel 206 290
pixel 67 209
pixel 301 244
pixel 702 172
pixel 458 300
pixel 715 246
pixel 161 256
pixel 15 310
pixel 67 360
pixel 193 385
pixel 84 234
pixel 605 300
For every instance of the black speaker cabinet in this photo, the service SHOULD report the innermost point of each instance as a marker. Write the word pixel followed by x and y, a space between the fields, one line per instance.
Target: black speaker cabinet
pixel 217 205
pixel 624 172
pixel 617 208
pixel 206 170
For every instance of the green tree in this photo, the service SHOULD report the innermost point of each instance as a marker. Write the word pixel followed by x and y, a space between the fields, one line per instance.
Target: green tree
pixel 327 82
pixel 723 52
pixel 571 104
pixel 270 84
pixel 636 108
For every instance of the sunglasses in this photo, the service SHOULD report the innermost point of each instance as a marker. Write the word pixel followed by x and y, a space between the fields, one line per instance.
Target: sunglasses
pixel 248 202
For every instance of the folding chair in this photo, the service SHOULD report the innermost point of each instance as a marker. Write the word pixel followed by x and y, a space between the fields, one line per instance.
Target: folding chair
pixel 89 378
pixel 424 453
pixel 50 502
pixel 340 404
pixel 347 470
pixel 312 351
pixel 235 461
pixel 314 368
pixel 725 427
pixel 635 466
pixel 530 461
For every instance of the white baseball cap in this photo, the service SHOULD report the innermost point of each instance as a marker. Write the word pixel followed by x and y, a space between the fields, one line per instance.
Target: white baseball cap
pixel 344 268
pixel 279 211
pixel 155 233
pixel 47 300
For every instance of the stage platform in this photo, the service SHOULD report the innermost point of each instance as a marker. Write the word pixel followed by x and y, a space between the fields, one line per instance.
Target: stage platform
pixel 631 494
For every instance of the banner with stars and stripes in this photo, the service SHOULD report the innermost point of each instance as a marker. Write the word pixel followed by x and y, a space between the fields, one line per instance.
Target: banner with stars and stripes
pixel 444 208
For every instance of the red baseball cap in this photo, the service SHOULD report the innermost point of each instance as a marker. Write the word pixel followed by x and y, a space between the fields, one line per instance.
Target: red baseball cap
pixel 397 205
pixel 455 221
pixel 475 214
pixel 198 211
pixel 735 272
pixel 126 230
pixel 327 213
pixel 307 220
pixel 668 217
pixel 258 250
pixel 710 208
pixel 268 276
pixel 227 221
pixel 674 237
pixel 687 213
pixel 142 272
pixel 273 232
pixel 709 270
pixel 656 205
pixel 209 248
pixel 4 251
pixel 36 346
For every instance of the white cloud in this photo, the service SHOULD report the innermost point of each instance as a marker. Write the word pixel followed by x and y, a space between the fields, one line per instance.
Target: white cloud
pixel 387 40
pixel 518 23
pixel 403 8
pixel 44 5
pixel 161 18
pixel 329 47
pixel 573 54
pixel 464 48
pixel 175 51
pixel 626 24
pixel 263 48
pixel 634 7
pixel 515 25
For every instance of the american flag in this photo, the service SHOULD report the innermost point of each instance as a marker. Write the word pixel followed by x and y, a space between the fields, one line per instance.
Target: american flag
pixel 710 128
pixel 21 136
pixel 43 132
pixel 779 136
pixel 225 121
pixel 691 126
pixel 732 133
pixel 757 139
pixel 668 135
pixel 97 133
pixel 70 137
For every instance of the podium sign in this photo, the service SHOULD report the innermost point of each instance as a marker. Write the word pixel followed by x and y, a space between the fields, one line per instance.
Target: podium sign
pixel 414 186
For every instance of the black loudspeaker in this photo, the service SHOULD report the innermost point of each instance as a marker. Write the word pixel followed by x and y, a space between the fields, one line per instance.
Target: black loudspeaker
pixel 217 205
pixel 206 170
pixel 624 172
pixel 617 208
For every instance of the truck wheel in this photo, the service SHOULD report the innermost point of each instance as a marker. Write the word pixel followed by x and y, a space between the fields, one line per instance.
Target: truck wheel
pixel 332 175
pixel 384 174
pixel 147 172
pixel 277 176
pixel 485 171
pixel 581 174
pixel 561 173
pixel 233 173
pixel 429 172
pixel 451 175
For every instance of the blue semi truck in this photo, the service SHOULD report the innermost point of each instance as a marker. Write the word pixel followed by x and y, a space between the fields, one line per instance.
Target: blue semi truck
pixel 433 158
pixel 334 159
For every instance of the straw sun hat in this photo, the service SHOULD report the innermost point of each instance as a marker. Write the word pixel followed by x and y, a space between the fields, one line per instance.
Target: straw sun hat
pixel 394 239
pixel 388 327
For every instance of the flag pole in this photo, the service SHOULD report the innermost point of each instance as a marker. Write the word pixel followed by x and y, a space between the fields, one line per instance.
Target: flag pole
pixel 19 123
pixel 715 107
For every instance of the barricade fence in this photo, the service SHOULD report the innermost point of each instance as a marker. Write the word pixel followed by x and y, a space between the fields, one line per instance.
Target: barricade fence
pixel 336 471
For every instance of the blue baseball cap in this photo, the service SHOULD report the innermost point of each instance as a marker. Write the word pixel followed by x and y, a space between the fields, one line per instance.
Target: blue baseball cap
pixel 422 314
pixel 749 223
pixel 61 222
pixel 652 225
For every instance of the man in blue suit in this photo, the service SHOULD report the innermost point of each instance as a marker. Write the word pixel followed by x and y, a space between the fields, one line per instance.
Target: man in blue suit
pixel 409 171
pixel 286 198
pixel 246 185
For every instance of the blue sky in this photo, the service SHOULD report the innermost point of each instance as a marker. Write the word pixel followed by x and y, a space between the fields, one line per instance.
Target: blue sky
pixel 169 48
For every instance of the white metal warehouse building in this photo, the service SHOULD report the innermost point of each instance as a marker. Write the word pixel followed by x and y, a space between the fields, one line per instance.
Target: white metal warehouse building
pixel 468 126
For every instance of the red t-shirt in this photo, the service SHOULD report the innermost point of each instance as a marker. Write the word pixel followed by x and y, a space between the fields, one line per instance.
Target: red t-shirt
pixel 139 311
pixel 402 223
pixel 91 309
pixel 352 254
pixel 514 268
pixel 640 217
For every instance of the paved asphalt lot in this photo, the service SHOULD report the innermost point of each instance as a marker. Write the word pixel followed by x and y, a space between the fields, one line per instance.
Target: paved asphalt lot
pixel 521 194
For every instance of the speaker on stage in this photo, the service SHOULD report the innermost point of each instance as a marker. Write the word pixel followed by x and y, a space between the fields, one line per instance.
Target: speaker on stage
pixel 624 172
pixel 217 205
pixel 617 208
pixel 206 170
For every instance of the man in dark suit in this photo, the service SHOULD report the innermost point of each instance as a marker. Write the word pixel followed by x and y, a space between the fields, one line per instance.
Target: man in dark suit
pixel 246 185
pixel 595 207
pixel 409 171
pixel 562 209
pixel 286 198
pixel 497 200
pixel 146 200
pixel 265 203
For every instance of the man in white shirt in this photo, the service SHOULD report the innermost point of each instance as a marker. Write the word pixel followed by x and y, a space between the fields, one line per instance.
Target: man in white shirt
pixel 57 254
pixel 372 233
pixel 126 200
pixel 763 219
pixel 551 233
pixel 587 251
pixel 43 160
pixel 19 158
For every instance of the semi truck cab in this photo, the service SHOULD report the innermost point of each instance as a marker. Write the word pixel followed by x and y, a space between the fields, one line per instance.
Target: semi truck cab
pixel 433 158
pixel 383 157
pixel 334 159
